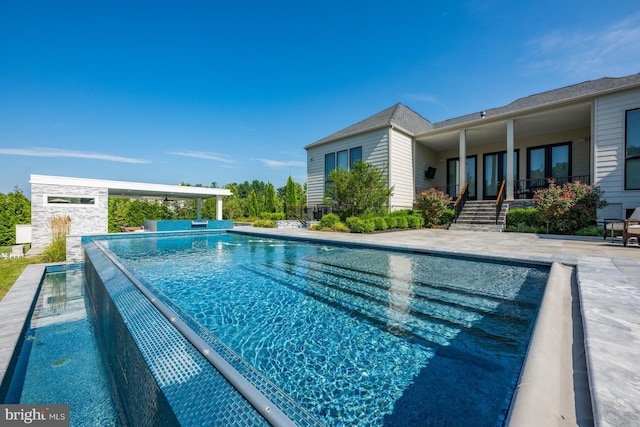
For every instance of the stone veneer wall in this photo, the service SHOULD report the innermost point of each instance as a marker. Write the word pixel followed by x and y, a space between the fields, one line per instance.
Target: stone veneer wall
pixel 85 219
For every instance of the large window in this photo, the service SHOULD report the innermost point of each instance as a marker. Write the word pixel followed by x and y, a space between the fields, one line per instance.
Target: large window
pixel 344 159
pixel 632 150
pixel 549 161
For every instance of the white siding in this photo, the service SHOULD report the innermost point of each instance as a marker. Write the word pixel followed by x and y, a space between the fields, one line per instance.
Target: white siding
pixel 609 144
pixel 375 150
pixel 401 175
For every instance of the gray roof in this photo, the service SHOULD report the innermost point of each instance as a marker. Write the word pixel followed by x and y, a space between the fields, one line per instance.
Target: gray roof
pixel 586 89
pixel 399 116
pixel 408 120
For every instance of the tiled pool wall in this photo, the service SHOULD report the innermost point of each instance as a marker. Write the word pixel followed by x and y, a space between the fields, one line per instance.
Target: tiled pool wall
pixel 158 370
pixel 182 225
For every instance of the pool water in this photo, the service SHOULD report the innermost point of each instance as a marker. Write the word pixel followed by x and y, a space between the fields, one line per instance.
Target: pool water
pixel 61 362
pixel 355 336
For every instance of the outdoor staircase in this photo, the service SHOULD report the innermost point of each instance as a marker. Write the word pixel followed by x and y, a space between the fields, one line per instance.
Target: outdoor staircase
pixel 480 215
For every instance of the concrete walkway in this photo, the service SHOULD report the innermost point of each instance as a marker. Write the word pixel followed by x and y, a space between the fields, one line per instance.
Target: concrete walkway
pixel 608 277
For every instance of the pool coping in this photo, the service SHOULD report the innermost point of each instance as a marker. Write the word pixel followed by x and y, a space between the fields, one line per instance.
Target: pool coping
pixel 608 287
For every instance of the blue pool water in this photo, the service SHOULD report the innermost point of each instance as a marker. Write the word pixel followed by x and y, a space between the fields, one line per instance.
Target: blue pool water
pixel 61 362
pixel 356 336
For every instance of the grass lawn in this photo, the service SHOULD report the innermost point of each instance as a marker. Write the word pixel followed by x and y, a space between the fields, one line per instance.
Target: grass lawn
pixel 10 270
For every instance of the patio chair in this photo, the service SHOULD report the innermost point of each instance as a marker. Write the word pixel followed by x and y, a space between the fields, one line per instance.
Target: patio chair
pixel 631 229
pixel 16 251
pixel 615 227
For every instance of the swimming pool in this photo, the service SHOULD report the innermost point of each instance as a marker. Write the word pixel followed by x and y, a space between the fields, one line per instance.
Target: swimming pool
pixel 354 336
pixel 60 361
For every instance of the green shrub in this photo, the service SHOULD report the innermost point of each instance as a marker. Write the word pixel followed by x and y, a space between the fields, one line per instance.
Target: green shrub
pixel 391 220
pixel 590 231
pixel 275 216
pixel 264 223
pixel 414 221
pixel 359 225
pixel 402 222
pixel 379 223
pixel 523 228
pixel 432 204
pixel 447 218
pixel 329 220
pixel 340 227
pixel 525 216
pixel 569 207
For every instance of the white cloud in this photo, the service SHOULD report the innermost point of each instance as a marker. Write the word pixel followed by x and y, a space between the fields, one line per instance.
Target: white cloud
pixel 56 152
pixel 423 97
pixel 280 164
pixel 204 155
pixel 613 51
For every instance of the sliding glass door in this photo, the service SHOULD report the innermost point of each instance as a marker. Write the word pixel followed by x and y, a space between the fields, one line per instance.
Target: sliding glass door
pixel 550 161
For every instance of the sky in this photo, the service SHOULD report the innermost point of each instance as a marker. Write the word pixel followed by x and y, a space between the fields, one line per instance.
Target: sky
pixel 207 92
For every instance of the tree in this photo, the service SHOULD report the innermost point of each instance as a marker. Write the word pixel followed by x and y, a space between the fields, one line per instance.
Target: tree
pixel 363 189
pixel 269 198
pixel 253 207
pixel 15 208
pixel 290 195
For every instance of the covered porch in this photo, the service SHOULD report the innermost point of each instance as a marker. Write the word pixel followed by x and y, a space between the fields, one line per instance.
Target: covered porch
pixel 524 147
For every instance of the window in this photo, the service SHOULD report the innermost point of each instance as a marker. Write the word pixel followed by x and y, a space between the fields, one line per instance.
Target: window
pixel 495 171
pixel 550 161
pixel 355 155
pixel 632 150
pixel 66 200
pixel 329 165
pixel 344 159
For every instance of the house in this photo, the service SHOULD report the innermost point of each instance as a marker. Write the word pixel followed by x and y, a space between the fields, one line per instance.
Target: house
pixel 588 132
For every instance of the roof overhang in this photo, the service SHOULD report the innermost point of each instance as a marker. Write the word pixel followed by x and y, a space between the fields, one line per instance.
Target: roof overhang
pixel 124 189
pixel 575 115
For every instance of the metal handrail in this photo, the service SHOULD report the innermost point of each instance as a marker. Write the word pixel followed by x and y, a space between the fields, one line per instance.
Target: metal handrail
pixel 501 197
pixel 460 201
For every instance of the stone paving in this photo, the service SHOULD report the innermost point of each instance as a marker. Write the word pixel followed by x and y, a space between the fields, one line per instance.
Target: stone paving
pixel 608 277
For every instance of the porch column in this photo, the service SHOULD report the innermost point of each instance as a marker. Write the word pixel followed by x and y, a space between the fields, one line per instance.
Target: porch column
pixel 218 207
pixel 463 159
pixel 198 208
pixel 510 165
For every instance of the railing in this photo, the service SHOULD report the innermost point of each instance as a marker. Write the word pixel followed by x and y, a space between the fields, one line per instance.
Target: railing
pixel 526 188
pixel 501 197
pixel 298 217
pixel 460 201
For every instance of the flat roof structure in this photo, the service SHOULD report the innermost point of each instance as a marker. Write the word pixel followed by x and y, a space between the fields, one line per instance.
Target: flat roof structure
pixel 124 189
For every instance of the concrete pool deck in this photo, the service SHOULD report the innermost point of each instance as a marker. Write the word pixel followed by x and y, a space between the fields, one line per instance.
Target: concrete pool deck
pixel 608 284
pixel 608 277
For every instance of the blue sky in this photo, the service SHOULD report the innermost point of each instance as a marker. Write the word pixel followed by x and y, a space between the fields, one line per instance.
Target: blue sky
pixel 201 92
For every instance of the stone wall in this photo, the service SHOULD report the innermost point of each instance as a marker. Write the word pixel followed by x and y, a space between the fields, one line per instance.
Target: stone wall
pixel 85 218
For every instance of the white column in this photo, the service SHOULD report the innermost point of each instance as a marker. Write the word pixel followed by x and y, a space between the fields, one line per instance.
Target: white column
pixel 218 207
pixel 463 159
pixel 510 165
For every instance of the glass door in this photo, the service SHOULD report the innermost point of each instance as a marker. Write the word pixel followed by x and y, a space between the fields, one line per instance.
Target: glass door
pixel 495 171
pixel 453 177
